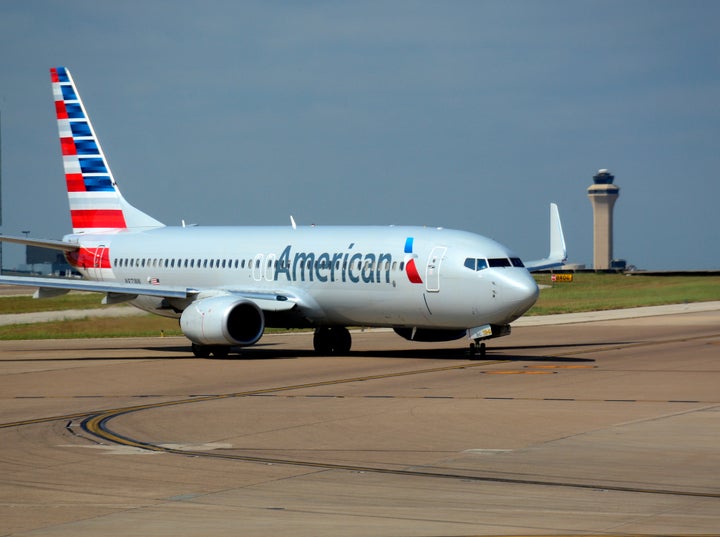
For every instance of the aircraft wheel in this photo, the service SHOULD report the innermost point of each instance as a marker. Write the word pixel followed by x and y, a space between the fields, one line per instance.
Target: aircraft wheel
pixel 335 340
pixel 341 340
pixel 220 351
pixel 200 351
pixel 322 341
pixel 477 351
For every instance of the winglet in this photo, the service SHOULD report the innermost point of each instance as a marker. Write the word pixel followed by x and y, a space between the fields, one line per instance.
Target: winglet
pixel 558 249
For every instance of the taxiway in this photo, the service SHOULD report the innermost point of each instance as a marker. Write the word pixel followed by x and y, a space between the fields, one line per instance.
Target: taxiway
pixel 603 427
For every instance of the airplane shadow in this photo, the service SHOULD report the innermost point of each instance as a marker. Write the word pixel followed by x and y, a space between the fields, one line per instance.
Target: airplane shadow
pixel 509 353
pixel 500 353
pixel 268 351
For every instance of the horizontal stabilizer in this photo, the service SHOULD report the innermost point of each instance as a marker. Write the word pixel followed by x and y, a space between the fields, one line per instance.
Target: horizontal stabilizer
pixel 117 292
pixel 41 243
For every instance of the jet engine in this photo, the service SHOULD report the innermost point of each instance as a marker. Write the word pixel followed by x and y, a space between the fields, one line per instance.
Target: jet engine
pixel 223 320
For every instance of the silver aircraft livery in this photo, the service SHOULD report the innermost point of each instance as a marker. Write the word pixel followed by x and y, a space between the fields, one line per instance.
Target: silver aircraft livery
pixel 227 284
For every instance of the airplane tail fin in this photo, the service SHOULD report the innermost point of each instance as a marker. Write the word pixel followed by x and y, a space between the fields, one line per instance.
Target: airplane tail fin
pixel 96 204
pixel 558 249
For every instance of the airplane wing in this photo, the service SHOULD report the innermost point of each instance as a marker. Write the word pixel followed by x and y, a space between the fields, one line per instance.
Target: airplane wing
pixel 60 285
pixel 122 292
pixel 558 250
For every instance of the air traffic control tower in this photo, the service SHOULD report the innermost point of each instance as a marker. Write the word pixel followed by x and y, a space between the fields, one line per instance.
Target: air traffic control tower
pixel 602 194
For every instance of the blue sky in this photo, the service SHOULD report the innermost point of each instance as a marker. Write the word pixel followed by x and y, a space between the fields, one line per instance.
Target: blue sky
pixel 471 115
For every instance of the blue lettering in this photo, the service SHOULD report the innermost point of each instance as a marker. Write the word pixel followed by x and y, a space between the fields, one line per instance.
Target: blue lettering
pixel 323 263
pixel 368 270
pixel 333 266
pixel 301 258
pixel 352 276
pixel 387 259
pixel 283 264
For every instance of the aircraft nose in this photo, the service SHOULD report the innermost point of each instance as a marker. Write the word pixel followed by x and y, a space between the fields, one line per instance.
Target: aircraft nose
pixel 520 292
pixel 527 292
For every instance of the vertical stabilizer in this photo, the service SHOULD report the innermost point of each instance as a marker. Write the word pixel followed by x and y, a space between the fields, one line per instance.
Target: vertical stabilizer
pixel 558 250
pixel 96 204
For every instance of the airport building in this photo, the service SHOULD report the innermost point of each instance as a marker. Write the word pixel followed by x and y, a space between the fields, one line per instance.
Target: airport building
pixel 603 194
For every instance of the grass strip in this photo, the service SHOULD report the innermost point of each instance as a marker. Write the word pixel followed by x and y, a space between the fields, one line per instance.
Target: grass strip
pixel 70 301
pixel 587 292
pixel 600 292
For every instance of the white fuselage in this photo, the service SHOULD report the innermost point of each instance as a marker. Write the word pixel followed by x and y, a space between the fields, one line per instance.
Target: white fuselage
pixel 341 275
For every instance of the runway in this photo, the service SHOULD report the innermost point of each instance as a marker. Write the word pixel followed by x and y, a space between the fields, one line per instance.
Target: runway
pixel 603 427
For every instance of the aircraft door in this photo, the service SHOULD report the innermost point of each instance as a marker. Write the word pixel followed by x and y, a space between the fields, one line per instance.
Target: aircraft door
pixel 95 271
pixel 432 271
pixel 270 267
pixel 257 268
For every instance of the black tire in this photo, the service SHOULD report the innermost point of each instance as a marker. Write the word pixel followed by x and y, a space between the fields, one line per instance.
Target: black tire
pixel 341 340
pixel 220 351
pixel 322 341
pixel 333 341
pixel 200 351
pixel 477 351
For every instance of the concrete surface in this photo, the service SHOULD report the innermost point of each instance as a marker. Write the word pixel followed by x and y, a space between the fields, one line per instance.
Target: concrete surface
pixel 604 427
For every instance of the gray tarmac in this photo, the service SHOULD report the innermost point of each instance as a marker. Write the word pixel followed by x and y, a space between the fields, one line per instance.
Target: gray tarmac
pixel 608 426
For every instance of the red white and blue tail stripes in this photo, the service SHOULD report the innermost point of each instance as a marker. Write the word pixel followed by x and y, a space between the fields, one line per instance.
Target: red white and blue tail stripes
pixel 96 204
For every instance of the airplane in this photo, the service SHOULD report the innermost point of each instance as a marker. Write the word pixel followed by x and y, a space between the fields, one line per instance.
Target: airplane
pixel 226 285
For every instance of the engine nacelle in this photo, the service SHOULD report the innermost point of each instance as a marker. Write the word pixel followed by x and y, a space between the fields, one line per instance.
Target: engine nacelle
pixel 223 320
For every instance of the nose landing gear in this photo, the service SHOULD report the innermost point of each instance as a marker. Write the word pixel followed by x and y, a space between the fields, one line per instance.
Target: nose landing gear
pixel 477 350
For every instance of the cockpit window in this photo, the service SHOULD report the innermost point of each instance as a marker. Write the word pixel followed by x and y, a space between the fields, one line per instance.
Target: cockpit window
pixel 475 264
pixel 516 262
pixel 499 262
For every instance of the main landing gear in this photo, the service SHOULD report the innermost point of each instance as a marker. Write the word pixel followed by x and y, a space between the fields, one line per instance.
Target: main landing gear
pixel 333 340
pixel 204 351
